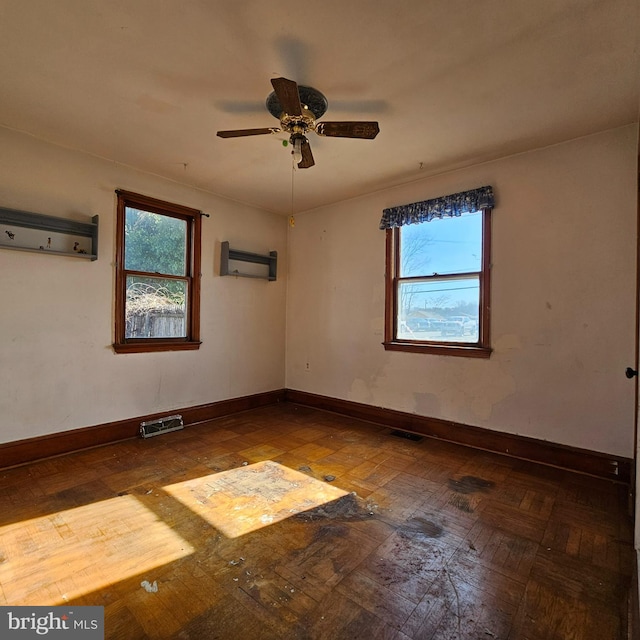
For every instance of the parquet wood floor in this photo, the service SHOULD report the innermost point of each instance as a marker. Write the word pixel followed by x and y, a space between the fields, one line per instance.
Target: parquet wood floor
pixel 431 540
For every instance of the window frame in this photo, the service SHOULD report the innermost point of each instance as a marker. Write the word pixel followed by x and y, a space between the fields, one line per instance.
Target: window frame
pixel 193 275
pixel 480 349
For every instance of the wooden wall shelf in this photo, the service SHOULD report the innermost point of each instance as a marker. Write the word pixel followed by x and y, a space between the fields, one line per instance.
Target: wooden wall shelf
pixel 12 221
pixel 227 255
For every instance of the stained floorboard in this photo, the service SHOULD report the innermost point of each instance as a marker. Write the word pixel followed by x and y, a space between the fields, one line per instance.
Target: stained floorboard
pixel 428 540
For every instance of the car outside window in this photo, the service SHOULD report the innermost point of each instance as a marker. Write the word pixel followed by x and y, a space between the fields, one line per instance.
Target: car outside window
pixel 438 280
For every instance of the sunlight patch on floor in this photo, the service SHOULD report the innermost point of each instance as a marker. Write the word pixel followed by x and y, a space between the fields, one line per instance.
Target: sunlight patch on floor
pixel 61 556
pixel 251 497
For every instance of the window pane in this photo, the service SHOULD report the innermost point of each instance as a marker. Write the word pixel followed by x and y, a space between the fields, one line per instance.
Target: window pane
pixel 155 243
pixel 439 309
pixel 155 308
pixel 450 245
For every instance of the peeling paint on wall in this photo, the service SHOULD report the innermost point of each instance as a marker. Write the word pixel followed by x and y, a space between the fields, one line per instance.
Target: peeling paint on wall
pixel 554 373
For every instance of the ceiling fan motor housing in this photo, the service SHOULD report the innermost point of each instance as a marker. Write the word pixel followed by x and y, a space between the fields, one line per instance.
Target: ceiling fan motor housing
pixel 309 97
pixel 298 124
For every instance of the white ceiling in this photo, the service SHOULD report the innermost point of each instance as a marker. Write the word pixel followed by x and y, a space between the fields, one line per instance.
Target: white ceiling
pixel 147 83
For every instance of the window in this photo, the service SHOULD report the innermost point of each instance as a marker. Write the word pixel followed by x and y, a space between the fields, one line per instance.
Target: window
pixel 437 278
pixel 157 275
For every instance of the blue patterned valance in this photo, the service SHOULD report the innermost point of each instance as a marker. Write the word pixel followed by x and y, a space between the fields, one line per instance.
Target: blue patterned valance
pixel 443 207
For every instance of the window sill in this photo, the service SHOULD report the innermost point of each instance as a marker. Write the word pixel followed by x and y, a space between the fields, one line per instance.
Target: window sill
pixel 471 351
pixel 156 345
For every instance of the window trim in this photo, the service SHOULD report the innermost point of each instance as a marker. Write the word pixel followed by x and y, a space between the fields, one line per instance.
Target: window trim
pixel 480 349
pixel 193 218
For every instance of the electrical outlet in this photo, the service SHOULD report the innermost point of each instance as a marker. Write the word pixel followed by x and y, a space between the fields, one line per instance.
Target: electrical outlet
pixel 307 366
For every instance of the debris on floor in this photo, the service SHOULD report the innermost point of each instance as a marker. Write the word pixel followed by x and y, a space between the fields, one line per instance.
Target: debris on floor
pixel 349 507
pixel 150 587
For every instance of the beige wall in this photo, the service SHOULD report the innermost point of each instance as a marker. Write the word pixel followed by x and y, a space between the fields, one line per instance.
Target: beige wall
pixel 57 368
pixel 563 302
pixel 564 256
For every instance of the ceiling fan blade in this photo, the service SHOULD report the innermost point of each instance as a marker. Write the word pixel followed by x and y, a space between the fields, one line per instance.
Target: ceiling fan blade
pixel 237 133
pixel 366 130
pixel 307 157
pixel 288 96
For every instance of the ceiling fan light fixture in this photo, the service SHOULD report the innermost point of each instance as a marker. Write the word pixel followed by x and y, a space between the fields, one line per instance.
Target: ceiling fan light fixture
pixel 296 151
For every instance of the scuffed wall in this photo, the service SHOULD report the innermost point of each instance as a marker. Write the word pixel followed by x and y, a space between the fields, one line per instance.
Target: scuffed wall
pixel 563 301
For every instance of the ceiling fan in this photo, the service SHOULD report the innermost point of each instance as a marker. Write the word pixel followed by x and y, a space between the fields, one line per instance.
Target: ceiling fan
pixel 298 107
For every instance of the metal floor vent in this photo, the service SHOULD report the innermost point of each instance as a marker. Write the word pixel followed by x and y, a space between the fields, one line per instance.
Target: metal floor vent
pixel 161 425
pixel 406 435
